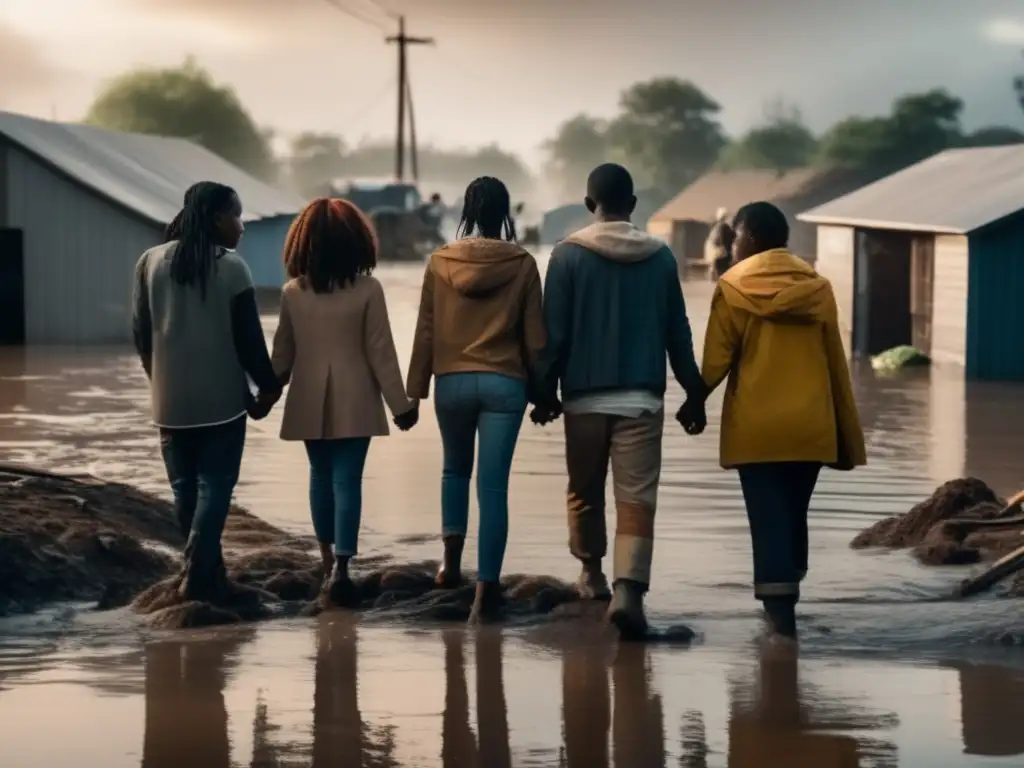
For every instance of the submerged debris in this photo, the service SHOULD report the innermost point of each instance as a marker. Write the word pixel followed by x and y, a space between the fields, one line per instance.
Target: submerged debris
pixel 83 539
pixel 962 522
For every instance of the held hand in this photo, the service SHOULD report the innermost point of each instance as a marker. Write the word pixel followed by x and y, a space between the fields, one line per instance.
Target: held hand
pixel 406 421
pixel 542 415
pixel 259 406
pixel 692 416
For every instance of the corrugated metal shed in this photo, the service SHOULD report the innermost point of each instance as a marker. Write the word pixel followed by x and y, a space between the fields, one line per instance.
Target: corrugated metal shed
pixel 148 175
pixel 733 189
pixel 955 192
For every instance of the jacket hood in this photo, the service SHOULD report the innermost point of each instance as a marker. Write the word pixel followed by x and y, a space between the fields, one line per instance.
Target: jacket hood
pixel 477 266
pixel 617 240
pixel 779 286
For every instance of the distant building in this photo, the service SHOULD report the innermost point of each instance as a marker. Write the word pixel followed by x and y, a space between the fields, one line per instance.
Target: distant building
pixel 79 205
pixel 685 221
pixel 933 256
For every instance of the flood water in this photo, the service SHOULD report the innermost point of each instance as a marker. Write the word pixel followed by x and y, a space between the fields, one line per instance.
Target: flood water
pixel 890 673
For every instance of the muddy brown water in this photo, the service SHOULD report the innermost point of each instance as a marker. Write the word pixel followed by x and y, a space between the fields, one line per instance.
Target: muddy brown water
pixel 890 672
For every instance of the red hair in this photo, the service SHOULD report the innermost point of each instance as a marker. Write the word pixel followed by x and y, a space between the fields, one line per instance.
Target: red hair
pixel 329 244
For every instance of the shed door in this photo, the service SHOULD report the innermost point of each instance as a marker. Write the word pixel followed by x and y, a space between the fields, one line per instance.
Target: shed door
pixel 922 291
pixel 12 287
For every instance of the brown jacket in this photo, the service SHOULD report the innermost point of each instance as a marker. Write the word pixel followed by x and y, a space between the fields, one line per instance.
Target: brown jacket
pixel 480 310
pixel 338 353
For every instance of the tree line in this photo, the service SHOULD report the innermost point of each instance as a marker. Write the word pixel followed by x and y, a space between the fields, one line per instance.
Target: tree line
pixel 667 130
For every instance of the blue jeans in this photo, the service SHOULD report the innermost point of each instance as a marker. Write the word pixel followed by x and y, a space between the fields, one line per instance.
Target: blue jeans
pixel 493 405
pixel 777 497
pixel 202 465
pixel 336 491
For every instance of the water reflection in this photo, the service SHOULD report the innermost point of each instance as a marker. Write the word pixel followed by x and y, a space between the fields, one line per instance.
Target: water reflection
pixel 186 716
pixel 991 703
pixel 775 720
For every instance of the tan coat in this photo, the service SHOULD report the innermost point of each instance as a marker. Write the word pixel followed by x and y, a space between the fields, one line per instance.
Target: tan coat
pixel 480 311
pixel 337 351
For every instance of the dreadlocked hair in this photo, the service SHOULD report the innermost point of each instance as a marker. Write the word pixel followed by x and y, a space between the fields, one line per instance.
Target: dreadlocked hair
pixel 488 210
pixel 329 244
pixel 195 226
pixel 173 231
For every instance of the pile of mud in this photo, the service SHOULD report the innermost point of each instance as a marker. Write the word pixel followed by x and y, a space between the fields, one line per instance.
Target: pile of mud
pixel 961 523
pixel 83 539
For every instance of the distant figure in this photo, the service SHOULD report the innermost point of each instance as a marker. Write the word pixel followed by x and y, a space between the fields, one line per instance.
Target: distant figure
pixel 789 407
pixel 334 347
pixel 432 213
pixel 197 331
pixel 614 310
pixel 479 333
pixel 718 246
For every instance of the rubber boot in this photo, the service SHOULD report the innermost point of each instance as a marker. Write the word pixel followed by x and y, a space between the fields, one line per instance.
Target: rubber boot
pixel 340 590
pixel 449 575
pixel 626 610
pixel 489 603
pixel 592 583
pixel 780 614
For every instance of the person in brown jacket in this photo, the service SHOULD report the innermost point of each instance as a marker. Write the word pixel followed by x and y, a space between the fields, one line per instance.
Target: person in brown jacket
pixel 334 345
pixel 479 332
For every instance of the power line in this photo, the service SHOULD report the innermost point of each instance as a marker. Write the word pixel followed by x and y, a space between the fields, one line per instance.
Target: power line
pixel 383 8
pixel 342 7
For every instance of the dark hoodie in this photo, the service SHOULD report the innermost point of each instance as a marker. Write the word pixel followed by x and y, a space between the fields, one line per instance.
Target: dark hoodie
pixel 480 311
pixel 613 308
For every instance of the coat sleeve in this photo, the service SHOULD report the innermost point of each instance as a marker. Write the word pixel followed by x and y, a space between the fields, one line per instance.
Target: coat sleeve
pixel 421 364
pixel 849 433
pixel 283 356
pixel 380 348
pixel 142 319
pixel 557 303
pixel 250 345
pixel 721 342
pixel 679 338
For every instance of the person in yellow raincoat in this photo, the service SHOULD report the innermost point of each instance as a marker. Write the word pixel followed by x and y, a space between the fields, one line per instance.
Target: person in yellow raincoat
pixel 788 407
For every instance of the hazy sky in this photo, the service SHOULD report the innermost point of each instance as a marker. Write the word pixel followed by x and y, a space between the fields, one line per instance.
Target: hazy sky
pixel 511 70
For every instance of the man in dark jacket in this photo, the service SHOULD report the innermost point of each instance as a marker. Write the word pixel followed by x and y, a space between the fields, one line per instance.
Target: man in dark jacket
pixel 613 308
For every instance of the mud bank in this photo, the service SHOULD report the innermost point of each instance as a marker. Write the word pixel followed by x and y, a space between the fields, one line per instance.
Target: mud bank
pixel 80 538
pixel 962 523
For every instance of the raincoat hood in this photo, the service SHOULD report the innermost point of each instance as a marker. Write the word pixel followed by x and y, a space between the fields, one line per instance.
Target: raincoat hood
pixel 477 266
pixel 776 285
pixel 617 240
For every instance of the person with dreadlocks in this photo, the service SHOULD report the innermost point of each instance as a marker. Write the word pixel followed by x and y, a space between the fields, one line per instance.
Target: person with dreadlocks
pixel 614 311
pixel 334 345
pixel 479 332
pixel 197 331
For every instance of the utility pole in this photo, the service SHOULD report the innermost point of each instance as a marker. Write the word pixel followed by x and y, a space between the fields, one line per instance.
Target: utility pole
pixel 402 40
pixel 412 134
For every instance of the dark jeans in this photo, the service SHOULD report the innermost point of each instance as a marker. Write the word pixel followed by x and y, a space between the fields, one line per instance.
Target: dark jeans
pixel 202 464
pixel 492 405
pixel 777 497
pixel 336 491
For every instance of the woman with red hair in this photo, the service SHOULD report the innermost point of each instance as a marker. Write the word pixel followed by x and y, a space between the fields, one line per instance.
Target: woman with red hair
pixel 334 347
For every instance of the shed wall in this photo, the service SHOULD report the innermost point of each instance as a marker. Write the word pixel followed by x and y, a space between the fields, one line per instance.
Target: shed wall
pixel 995 312
pixel 835 249
pixel 80 254
pixel 949 300
pixel 262 247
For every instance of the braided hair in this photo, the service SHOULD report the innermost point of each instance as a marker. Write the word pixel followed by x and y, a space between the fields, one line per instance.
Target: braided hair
pixel 195 228
pixel 488 210
pixel 173 231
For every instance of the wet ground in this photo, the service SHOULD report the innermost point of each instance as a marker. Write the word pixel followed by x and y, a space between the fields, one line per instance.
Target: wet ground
pixel 891 673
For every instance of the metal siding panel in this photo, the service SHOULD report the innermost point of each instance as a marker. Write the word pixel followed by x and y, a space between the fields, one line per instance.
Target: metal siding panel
pixel 995 314
pixel 949 302
pixel 262 248
pixel 958 190
pixel 80 253
pixel 834 261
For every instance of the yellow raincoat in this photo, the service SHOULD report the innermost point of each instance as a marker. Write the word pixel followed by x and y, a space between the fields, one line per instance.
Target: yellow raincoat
pixel 774 332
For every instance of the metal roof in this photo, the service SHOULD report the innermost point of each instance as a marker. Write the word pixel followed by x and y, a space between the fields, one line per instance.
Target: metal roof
pixel 146 174
pixel 733 189
pixel 954 192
